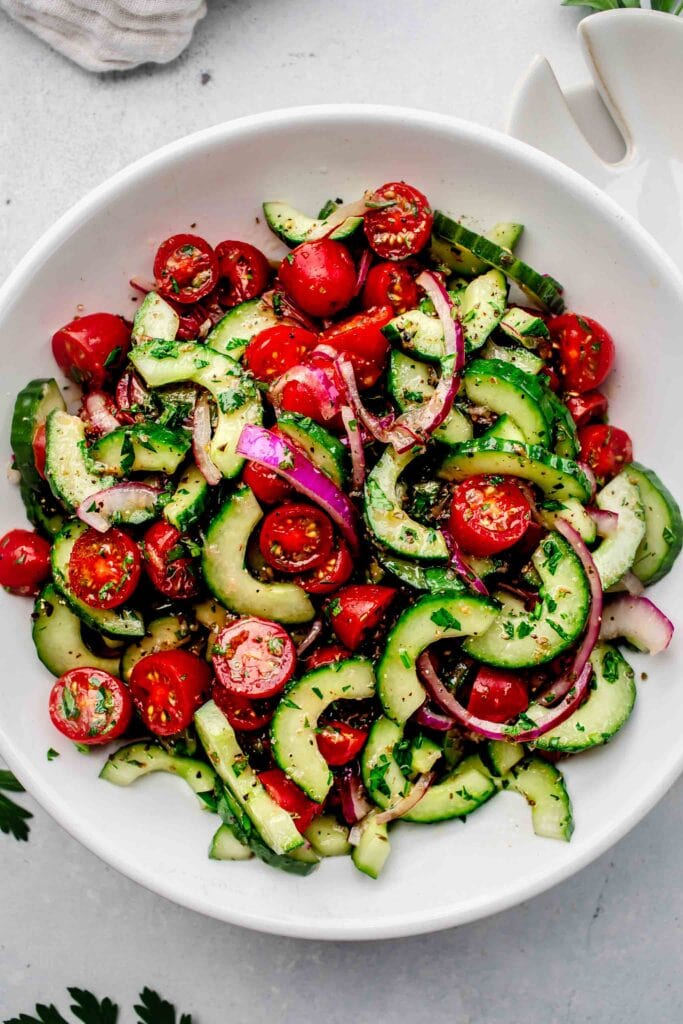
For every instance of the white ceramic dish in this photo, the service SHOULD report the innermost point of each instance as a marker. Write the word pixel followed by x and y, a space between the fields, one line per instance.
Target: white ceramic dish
pixel 441 875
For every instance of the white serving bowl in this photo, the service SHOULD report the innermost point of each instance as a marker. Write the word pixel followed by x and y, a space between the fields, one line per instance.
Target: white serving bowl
pixel 436 876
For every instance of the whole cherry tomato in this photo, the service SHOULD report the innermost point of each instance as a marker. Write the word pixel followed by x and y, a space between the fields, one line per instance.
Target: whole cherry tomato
pixel 272 352
pixel 90 706
pixel 167 688
pixel 361 340
pixel 319 277
pixel 390 284
pixel 253 657
pixel 244 272
pixel 168 562
pixel 402 222
pixel 498 696
pixel 185 268
pixel 606 449
pixel 24 562
pixel 356 610
pixel 288 795
pixel 104 568
pixel 488 514
pixel 89 347
pixel 586 351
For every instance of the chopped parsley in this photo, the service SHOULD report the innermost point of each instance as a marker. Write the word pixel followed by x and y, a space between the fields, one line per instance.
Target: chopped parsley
pixel 443 618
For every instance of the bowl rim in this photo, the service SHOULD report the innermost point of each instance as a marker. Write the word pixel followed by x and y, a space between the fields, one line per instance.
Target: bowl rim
pixel 412 923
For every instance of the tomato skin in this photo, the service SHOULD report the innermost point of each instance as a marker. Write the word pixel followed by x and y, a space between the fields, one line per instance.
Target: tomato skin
pixel 242 713
pixel 390 284
pixel 39 447
pixel 296 537
pixel 340 742
pixel 326 656
pixel 254 658
pixel 403 229
pixel 488 515
pixel 244 272
pixel 606 449
pixel 297 397
pixel 89 347
pixel 588 407
pixel 167 688
pixel 185 268
pixel 498 696
pixel 269 488
pixel 24 562
pixel 172 573
pixel 288 795
pixel 277 349
pixel 88 705
pixel 586 351
pixel 551 378
pixel 104 568
pixel 331 574
pixel 358 609
pixel 319 277
pixel 361 340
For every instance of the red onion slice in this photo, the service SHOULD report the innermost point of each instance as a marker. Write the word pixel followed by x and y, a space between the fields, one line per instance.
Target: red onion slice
pixel 363 267
pixel 460 566
pixel 96 406
pixel 606 522
pixel 587 470
pixel 430 718
pixel 266 448
pixel 125 502
pixel 638 621
pixel 382 428
pixel 317 381
pixel 355 440
pixel 352 795
pixel 630 583
pixel 417 791
pixel 201 439
pixel 142 285
pixel 310 638
pixel 284 308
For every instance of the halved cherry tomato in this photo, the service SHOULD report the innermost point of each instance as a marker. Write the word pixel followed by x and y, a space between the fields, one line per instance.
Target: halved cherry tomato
pixel 401 229
pixel 488 514
pixel 185 268
pixel 586 351
pixel 298 397
pixel 104 568
pixel 288 795
pixel 38 444
pixel 296 537
pixel 167 688
pixel 326 656
pixel 587 408
pixel 498 696
pixel 168 563
pixel 333 572
pixel 319 277
pixel 242 713
pixel 340 742
pixel 90 706
pixel 267 485
pixel 89 347
pixel 24 562
pixel 606 449
pixel 356 610
pixel 390 284
pixel 244 272
pixel 272 352
pixel 360 338
pixel 253 657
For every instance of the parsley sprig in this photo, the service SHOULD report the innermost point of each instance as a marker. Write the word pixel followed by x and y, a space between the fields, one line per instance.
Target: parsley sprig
pixel 13 818
pixel 88 1009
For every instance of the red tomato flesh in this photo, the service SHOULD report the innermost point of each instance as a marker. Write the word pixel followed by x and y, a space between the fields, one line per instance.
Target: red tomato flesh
pixel 360 338
pixel 242 713
pixel 488 514
pixel 340 742
pixel 606 449
pixel 185 268
pixel 331 574
pixel 296 537
pixel 356 610
pixel 90 706
pixel 299 398
pixel 24 562
pixel 288 795
pixel 277 349
pixel 104 568
pixel 168 563
pixel 244 272
pixel 587 408
pixel 586 351
pixel 38 445
pixel 268 487
pixel 167 688
pixel 89 347
pixel 402 228
pixel 326 656
pixel 390 284
pixel 498 696
pixel 253 658
pixel 319 277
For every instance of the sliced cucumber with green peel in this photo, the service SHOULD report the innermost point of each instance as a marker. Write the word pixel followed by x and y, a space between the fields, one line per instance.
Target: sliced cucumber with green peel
pixel 294 227
pixel 33 405
pixel 505 429
pixel 661 544
pixel 424 754
pixel 189 500
pixel 616 554
pixel 459 793
pixel 382 775
pixel 524 327
pixel 67 468
pixel 542 786
pixel 237 820
pixel 373 847
pixel 154 318
pixel 294 724
pixel 482 307
pixel 519 357
pixel 504 389
pixel 609 705
pixel 225 845
pixel 135 760
pixel 41 509
pixel 433 578
pixel 566 440
pixel 409 385
pixel 163 634
pixel 504 234
pixel 431 618
pixel 418 334
pixel 520 639
pixel 388 520
pixel 229 580
pixel 320 446
pixel 234 331
pixel 141 448
pixel 502 756
pixel 573 512
pixel 58 639
pixel 328 837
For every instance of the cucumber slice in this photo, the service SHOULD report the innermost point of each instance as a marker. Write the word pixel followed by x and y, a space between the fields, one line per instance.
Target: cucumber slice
pixel 566 438
pixel 142 448
pixel 328 837
pixel 296 718
pixel 274 825
pixel 382 776
pixel 189 500
pixel 234 331
pixel 542 786
pixel 501 387
pixel 574 513
pixel 616 554
pixel 408 384
pixel 504 234
pixel 519 357
pixel 660 547
pixel 609 705
pixel 464 789
pixel 386 517
pixel 154 318
pixel 230 581
pixel 294 227
pixel 482 307
pixel 502 756
pixel 33 405
pixel 323 449
pixel 417 334
pixel 373 847
pixel 41 509
pixel 520 639
pixel 66 467
pixel 524 327
pixel 434 578
pixel 424 754
pixel 226 846
pixel 237 400
pixel 558 477
pixel 135 760
pixel 505 429
pixel 113 622
pixel 163 634
pixel 244 831
pixel 430 618
pixel 58 639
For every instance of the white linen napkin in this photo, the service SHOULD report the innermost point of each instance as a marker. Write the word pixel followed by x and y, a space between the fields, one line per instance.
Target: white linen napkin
pixel 111 35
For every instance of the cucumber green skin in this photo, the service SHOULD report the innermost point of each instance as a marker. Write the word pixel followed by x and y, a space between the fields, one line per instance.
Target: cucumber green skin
pixel 519 357
pixel 460 793
pixel 505 429
pixel 138 759
pixel 294 227
pixel 328 837
pixel 41 510
pixel 482 307
pixel 320 446
pixel 295 720
pixel 463 262
pixel 373 848
pixel 566 438
pixel 433 578
pixel 32 406
pixel 225 845
pixel 607 709
pixel 392 786
pixel 389 522
pixel 234 331
pixel 557 477
pixel 399 688
pixel 155 318
pixel 57 637
pixel 67 468
pixel 163 634
pixel 113 622
pixel 542 288
pixel 542 786
pixel 657 553
pixel 524 327
pixel 500 386
pixel 502 756
pixel 229 580
pixel 409 379
pixel 189 500
pixel 155 450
